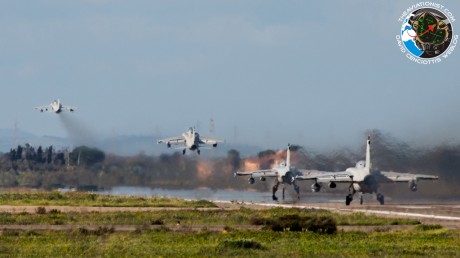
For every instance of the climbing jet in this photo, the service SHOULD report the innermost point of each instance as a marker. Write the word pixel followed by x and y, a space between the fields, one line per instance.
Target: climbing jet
pixel 191 140
pixel 56 107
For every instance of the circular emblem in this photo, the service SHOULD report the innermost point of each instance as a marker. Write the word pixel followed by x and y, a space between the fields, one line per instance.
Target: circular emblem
pixel 426 33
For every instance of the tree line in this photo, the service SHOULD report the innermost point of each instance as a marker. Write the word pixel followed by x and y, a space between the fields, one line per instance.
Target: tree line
pixel 48 168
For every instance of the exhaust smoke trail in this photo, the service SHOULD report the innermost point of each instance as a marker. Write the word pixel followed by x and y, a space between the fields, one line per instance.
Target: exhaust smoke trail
pixel 77 132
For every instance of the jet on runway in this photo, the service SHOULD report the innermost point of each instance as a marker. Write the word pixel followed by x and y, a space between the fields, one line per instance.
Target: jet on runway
pixel 191 140
pixel 56 107
pixel 362 179
pixel 283 174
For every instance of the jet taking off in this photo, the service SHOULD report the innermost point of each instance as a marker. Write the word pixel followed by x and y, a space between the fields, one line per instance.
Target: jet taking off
pixel 362 178
pixel 283 174
pixel 191 140
pixel 56 107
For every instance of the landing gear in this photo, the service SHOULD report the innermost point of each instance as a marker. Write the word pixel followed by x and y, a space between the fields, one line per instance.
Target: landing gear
pixel 283 192
pixel 361 199
pixel 183 152
pixel 275 188
pixel 348 199
pixel 198 151
pixel 297 190
pixel 380 198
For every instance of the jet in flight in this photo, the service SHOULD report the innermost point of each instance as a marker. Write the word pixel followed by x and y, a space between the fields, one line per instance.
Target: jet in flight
pixel 191 140
pixel 283 174
pixel 56 107
pixel 362 178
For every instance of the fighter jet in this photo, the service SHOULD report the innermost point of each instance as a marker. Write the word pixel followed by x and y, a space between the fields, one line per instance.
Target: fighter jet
pixel 283 174
pixel 362 178
pixel 56 107
pixel 191 140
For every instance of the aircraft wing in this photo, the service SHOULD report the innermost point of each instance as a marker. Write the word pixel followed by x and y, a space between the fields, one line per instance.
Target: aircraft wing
pixel 71 109
pixel 173 140
pixel 405 177
pixel 43 108
pixel 325 176
pixel 258 173
pixel 207 140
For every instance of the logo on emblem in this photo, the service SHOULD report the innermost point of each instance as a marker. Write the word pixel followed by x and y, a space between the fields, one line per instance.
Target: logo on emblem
pixel 426 35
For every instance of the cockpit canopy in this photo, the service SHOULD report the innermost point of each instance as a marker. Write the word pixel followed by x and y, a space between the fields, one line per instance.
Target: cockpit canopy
pixel 361 164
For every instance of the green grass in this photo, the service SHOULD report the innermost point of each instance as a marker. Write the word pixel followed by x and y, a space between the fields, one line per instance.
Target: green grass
pixel 95 200
pixel 189 217
pixel 104 242
pixel 362 219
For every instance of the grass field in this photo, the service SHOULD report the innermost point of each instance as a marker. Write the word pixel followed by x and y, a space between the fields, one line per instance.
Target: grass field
pixel 94 234
pixel 95 200
pixel 81 242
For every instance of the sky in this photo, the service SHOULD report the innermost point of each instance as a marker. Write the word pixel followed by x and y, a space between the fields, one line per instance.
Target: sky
pixel 313 73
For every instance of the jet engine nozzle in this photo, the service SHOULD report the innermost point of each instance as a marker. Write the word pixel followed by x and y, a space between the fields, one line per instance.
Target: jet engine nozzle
pixel 315 187
pixel 413 185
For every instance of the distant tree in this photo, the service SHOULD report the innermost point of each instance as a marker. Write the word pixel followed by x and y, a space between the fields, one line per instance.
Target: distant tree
pixel 8 179
pixel 28 179
pixel 49 157
pixel 19 150
pixel 39 157
pixel 12 154
pixel 86 156
pixel 59 159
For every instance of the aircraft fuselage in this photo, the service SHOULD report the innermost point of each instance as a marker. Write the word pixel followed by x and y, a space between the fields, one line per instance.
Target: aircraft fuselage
pixel 192 140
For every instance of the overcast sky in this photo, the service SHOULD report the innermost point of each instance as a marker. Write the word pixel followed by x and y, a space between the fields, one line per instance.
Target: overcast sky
pixel 313 73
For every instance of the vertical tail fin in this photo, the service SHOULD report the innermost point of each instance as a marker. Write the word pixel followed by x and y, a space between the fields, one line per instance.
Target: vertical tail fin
pixel 368 154
pixel 288 156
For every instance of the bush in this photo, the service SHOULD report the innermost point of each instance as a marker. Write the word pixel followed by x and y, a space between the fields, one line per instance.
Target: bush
pixel 40 210
pixel 54 211
pixel 97 232
pixel 294 222
pixel 156 222
pixel 257 220
pixel 425 227
pixel 9 232
pixel 322 224
pixel 240 244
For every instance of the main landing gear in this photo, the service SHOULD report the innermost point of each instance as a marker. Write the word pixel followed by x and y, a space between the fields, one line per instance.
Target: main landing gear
pixel 380 199
pixel 297 190
pixel 275 188
pixel 349 198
